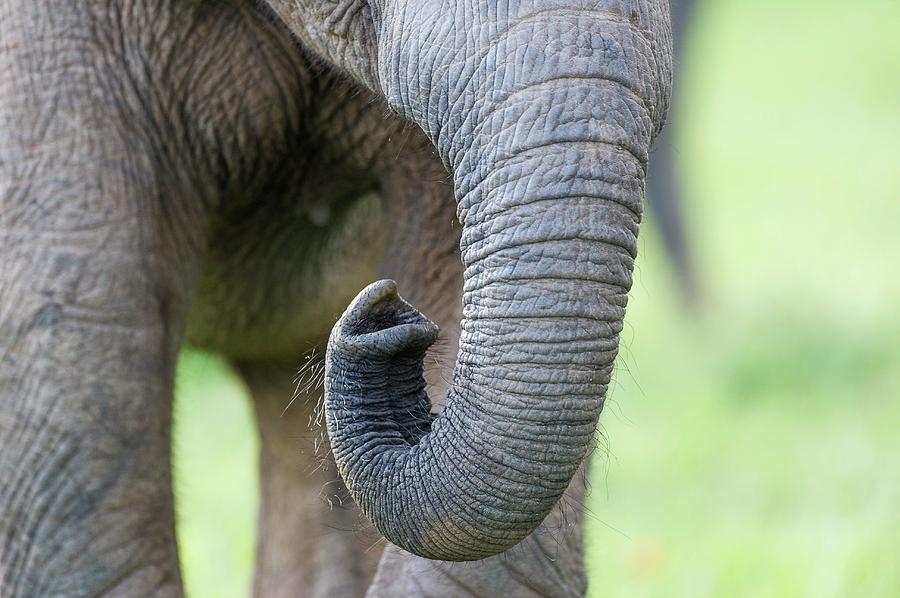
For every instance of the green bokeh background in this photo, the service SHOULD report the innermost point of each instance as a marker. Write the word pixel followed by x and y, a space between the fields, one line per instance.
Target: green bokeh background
pixel 752 448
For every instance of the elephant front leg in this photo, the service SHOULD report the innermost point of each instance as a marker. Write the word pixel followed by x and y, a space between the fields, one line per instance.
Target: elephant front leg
pixel 94 282
pixel 312 540
pixel 122 128
pixel 90 318
pixel 87 347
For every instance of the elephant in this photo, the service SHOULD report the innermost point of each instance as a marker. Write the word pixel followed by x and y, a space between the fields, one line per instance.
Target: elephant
pixel 228 175
pixel 664 185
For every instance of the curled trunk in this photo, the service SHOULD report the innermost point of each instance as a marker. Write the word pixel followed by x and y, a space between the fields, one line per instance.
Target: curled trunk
pixel 550 197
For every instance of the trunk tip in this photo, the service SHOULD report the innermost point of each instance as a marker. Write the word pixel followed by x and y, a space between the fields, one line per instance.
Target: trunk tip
pixel 379 320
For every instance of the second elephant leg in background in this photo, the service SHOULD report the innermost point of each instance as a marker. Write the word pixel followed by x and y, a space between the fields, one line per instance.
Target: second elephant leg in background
pixel 312 540
pixel 548 563
pixel 665 185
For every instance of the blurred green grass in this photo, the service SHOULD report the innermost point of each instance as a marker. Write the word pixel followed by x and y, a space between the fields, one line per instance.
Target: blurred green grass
pixel 751 449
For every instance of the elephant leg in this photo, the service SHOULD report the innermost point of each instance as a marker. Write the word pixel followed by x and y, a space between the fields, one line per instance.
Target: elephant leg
pixel 666 201
pixel 548 563
pixel 312 540
pixel 665 187
pixel 109 114
pixel 93 294
pixel 88 342
pixel 95 278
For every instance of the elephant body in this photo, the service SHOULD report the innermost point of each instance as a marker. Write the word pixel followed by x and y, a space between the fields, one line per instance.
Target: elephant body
pixel 229 175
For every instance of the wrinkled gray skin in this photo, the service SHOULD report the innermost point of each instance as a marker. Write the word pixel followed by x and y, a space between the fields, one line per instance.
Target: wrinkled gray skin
pixel 185 171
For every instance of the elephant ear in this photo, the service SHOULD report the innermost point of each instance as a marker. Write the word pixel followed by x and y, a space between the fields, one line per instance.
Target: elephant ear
pixel 340 32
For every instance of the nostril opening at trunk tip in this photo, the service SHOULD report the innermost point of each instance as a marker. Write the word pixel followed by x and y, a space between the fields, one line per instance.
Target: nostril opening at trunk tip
pixel 381 319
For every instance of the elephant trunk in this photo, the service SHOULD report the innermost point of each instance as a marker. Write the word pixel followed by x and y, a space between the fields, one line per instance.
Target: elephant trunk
pixel 550 196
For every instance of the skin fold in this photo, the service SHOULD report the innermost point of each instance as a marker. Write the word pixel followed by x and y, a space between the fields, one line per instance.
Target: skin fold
pixel 229 175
